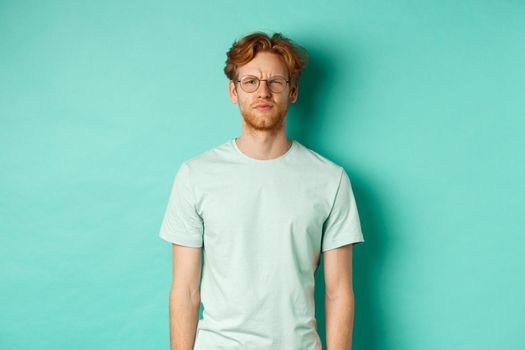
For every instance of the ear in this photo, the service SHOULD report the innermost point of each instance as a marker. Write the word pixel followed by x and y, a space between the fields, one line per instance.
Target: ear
pixel 294 93
pixel 233 92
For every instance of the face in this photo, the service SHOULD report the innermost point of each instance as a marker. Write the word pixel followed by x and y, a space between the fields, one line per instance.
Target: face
pixel 264 65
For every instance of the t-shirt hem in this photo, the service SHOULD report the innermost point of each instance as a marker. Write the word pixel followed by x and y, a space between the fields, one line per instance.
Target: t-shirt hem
pixel 338 244
pixel 180 241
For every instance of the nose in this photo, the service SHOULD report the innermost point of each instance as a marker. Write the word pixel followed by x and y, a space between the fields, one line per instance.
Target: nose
pixel 264 90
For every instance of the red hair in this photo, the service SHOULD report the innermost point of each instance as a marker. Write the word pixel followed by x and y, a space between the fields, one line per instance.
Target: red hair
pixel 245 49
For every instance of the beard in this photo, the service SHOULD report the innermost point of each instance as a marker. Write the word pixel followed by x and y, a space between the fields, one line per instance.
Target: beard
pixel 270 120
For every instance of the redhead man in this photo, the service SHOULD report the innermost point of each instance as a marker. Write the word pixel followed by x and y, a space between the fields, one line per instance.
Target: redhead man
pixel 258 210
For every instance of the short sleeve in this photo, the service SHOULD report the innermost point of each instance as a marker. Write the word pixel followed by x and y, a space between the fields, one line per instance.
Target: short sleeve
pixel 342 225
pixel 182 224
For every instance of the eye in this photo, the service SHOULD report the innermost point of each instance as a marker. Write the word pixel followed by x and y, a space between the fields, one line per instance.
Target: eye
pixel 249 81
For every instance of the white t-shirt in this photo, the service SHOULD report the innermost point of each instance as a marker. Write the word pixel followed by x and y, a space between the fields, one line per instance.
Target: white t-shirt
pixel 262 225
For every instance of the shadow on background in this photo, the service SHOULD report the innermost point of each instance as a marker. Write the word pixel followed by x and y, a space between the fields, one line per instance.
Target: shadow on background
pixel 314 98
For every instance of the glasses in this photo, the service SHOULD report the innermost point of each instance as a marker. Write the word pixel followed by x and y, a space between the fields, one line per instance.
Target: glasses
pixel 251 83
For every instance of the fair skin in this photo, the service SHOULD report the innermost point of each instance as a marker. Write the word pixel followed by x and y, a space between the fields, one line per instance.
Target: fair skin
pixel 263 134
pixel 339 297
pixel 263 137
pixel 184 296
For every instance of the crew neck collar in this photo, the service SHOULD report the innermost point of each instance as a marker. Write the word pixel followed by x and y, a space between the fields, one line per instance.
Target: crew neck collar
pixel 263 161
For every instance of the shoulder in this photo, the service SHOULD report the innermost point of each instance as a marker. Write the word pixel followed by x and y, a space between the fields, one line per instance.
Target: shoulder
pixel 209 157
pixel 319 163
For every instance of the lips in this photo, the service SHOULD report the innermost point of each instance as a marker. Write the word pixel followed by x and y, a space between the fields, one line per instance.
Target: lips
pixel 263 105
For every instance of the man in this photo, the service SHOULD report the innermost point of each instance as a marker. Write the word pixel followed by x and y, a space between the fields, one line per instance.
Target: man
pixel 262 208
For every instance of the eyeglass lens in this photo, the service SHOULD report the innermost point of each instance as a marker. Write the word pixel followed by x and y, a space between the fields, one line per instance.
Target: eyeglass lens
pixel 251 83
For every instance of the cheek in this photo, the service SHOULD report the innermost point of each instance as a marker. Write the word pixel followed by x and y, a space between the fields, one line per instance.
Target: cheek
pixel 244 105
pixel 283 102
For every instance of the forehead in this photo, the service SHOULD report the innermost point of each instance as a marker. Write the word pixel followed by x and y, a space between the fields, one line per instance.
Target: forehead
pixel 264 64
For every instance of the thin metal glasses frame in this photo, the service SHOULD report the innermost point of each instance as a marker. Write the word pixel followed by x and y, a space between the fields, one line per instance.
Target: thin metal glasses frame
pixel 259 83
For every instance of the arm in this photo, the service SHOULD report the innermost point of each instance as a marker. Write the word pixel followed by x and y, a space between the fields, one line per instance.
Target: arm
pixel 339 298
pixel 184 297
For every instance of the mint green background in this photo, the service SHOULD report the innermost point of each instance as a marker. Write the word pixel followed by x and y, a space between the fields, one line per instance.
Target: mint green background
pixel 422 102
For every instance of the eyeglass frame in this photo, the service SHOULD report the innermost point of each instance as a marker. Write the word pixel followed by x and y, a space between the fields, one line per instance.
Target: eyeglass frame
pixel 259 83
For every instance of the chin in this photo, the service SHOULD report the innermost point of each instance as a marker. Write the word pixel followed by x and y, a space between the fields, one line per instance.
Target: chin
pixel 264 122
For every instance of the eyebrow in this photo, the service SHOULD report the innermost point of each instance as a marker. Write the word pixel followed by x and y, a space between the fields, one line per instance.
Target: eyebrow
pixel 257 75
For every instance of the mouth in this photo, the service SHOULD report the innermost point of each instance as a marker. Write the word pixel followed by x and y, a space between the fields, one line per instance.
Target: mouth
pixel 263 106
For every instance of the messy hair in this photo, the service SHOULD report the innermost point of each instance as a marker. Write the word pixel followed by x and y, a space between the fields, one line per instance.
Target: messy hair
pixel 246 48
